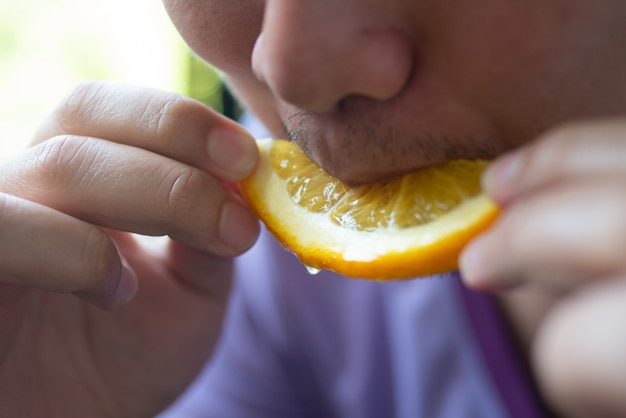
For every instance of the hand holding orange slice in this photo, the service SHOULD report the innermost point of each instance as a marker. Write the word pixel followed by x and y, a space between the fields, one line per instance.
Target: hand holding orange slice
pixel 410 226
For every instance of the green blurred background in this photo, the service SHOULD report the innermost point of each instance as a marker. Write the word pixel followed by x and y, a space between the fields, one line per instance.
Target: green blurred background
pixel 47 46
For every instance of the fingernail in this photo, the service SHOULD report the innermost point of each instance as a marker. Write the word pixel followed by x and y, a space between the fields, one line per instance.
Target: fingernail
pixel 238 227
pixel 471 263
pixel 233 151
pixel 501 174
pixel 478 274
pixel 126 286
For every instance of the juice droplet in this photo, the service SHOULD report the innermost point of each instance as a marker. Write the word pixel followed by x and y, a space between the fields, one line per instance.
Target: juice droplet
pixel 311 270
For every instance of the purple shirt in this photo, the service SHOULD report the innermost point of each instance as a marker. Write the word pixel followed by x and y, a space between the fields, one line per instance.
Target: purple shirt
pixel 296 345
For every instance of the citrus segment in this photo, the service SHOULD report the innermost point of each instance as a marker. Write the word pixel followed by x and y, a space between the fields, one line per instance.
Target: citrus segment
pixel 410 226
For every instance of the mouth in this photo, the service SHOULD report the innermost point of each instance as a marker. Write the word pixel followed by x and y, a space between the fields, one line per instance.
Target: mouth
pixel 364 141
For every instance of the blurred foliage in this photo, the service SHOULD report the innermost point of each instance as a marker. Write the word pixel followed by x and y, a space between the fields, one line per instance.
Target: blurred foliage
pixel 204 83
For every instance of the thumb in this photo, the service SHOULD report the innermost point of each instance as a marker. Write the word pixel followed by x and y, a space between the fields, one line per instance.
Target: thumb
pixel 204 272
pixel 198 271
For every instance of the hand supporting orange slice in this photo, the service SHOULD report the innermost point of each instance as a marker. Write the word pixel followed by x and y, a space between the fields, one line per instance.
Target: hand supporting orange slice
pixel 411 226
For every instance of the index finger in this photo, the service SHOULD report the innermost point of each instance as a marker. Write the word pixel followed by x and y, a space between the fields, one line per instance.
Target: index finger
pixel 575 150
pixel 131 189
pixel 165 123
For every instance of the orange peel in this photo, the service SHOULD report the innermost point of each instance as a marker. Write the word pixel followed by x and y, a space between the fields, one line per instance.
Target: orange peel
pixel 411 226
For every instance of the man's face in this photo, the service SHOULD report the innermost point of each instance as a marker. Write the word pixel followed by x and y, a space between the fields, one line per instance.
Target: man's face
pixel 375 88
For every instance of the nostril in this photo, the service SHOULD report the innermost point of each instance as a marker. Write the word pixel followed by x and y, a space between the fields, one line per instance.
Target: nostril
pixel 315 71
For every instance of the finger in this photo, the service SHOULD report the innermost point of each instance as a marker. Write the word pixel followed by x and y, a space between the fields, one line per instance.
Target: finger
pixel 557 237
pixel 199 272
pixel 167 124
pixel 577 150
pixel 580 349
pixel 49 250
pixel 127 188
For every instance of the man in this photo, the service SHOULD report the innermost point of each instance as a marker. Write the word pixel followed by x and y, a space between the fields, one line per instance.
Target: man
pixel 369 89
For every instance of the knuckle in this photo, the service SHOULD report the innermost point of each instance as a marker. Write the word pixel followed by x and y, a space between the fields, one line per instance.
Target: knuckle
pixel 182 193
pixel 77 109
pixel 162 114
pixel 61 160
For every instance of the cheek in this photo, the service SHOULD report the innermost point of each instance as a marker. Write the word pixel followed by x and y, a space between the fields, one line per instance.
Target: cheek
pixel 222 32
pixel 518 61
pixel 478 51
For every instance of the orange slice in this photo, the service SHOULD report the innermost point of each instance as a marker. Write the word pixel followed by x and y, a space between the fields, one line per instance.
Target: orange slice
pixel 410 226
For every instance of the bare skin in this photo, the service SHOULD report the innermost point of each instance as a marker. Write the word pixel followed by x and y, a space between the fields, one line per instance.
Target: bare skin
pixel 576 277
pixel 133 361
pixel 369 89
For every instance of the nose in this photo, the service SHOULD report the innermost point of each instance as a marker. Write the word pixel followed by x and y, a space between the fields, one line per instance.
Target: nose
pixel 314 53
